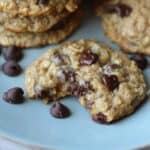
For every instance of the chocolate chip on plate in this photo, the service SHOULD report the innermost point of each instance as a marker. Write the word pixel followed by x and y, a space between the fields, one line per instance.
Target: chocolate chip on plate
pixel 11 68
pixel 59 110
pixel 99 118
pixel 12 53
pixel 141 61
pixel 88 58
pixel 14 96
pixel 111 81
pixel 121 9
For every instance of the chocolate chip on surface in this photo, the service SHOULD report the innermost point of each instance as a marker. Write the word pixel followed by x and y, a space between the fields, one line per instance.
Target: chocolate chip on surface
pixel 121 9
pixel 99 118
pixel 88 58
pixel 141 61
pixel 111 81
pixel 12 53
pixel 59 110
pixel 11 68
pixel 14 96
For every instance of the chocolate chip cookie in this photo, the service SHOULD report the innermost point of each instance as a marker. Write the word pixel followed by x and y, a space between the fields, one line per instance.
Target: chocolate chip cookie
pixel 106 82
pixel 56 34
pixel 37 7
pixel 127 22
pixel 40 23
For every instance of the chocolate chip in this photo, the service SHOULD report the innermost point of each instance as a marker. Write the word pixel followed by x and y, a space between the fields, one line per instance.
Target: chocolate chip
pixel 59 110
pixel 141 61
pixel 121 9
pixel 88 58
pixel 42 2
pixel 100 118
pixel 79 90
pixel 11 68
pixel 43 93
pixel 70 76
pixel 12 53
pixel 14 96
pixel 111 81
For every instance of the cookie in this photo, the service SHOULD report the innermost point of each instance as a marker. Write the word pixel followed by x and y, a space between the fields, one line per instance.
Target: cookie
pixel 37 7
pixel 56 34
pixel 106 82
pixel 127 23
pixel 20 23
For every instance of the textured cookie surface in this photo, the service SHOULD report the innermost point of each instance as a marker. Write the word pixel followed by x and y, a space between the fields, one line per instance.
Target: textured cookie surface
pixel 40 23
pixel 127 22
pixel 27 39
pixel 106 82
pixel 37 7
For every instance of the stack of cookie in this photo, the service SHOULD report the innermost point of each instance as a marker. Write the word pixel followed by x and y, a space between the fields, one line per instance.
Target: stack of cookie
pixel 127 22
pixel 34 23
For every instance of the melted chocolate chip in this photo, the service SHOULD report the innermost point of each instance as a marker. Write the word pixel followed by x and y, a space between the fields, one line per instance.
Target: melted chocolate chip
pixel 121 9
pixel 70 76
pixel 79 90
pixel 100 118
pixel 88 58
pixel 12 53
pixel 111 81
pixel 44 93
pixel 41 93
pixel 11 68
pixel 59 110
pixel 14 96
pixel 141 61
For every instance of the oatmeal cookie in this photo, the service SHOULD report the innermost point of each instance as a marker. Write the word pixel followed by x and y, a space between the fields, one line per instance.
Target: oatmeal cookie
pixel 127 22
pixel 56 34
pixel 106 82
pixel 37 7
pixel 40 23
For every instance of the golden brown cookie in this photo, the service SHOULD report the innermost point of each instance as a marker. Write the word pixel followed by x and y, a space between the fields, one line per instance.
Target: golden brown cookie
pixel 127 22
pixel 106 82
pixel 37 7
pixel 56 34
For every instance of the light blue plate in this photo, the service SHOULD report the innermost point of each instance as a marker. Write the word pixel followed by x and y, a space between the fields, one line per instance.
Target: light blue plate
pixel 31 122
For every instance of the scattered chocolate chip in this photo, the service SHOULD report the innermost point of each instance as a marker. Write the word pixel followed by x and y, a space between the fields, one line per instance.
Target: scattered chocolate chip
pixel 141 61
pixel 42 2
pixel 111 81
pixel 11 68
pixel 12 53
pixel 59 110
pixel 100 118
pixel 88 58
pixel 14 96
pixel 79 90
pixel 122 10
pixel 70 76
